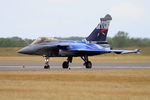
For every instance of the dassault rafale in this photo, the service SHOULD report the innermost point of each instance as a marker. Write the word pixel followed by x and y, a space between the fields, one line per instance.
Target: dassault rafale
pixel 94 44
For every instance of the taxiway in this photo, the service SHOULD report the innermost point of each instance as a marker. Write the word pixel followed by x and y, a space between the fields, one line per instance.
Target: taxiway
pixel 38 66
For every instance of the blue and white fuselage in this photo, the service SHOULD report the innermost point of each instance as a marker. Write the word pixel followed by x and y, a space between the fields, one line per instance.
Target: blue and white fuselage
pixel 94 44
pixel 69 48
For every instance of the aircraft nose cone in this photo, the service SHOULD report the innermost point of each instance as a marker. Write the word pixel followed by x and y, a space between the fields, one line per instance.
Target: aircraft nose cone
pixel 25 50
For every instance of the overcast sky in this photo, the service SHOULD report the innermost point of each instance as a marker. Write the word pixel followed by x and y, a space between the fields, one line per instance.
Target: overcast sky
pixel 63 18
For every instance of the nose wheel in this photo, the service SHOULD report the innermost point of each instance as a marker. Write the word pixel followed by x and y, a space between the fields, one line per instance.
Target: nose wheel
pixel 46 63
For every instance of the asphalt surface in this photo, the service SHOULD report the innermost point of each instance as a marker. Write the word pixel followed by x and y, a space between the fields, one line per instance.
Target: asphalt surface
pixel 38 66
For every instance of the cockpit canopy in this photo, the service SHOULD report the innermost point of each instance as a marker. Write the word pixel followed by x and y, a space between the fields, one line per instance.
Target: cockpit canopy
pixel 44 39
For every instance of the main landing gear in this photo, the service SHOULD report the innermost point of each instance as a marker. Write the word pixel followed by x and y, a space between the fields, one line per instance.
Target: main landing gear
pixel 87 63
pixel 65 64
pixel 46 63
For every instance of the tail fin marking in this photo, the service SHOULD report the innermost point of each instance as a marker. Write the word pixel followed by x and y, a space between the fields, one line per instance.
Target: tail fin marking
pixel 100 32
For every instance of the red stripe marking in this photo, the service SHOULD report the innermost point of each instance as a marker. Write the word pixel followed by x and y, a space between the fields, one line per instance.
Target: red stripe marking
pixel 103 30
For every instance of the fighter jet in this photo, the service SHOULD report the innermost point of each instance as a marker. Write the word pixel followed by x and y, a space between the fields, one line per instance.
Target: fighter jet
pixel 94 44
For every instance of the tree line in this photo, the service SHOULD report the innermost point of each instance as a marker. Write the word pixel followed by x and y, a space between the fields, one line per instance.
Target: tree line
pixel 14 42
pixel 120 40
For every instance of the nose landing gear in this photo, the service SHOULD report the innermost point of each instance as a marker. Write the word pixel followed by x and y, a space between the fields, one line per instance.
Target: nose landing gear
pixel 46 63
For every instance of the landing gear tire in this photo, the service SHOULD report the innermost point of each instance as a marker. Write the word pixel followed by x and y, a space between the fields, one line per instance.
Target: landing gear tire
pixel 65 65
pixel 88 65
pixel 46 63
pixel 46 67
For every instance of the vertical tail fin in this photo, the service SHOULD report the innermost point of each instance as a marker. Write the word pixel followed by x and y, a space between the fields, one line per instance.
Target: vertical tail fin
pixel 100 32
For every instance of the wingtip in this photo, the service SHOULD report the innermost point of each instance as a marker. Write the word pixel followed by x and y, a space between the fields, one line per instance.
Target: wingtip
pixel 138 51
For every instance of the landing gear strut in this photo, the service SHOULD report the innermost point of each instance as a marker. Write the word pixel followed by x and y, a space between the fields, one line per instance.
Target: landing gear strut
pixel 87 63
pixel 65 64
pixel 46 63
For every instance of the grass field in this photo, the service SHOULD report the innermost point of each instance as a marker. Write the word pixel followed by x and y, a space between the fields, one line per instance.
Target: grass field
pixel 116 58
pixel 76 85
